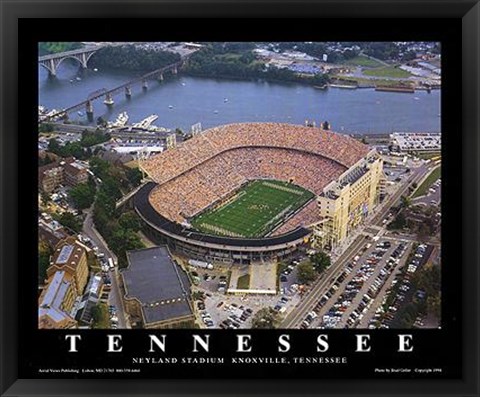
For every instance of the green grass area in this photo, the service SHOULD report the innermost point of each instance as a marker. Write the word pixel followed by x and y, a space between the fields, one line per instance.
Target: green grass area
pixel 243 282
pixel 431 178
pixel 255 209
pixel 387 71
pixel 93 263
pixel 230 56
pixel 362 60
pixel 101 319
pixel 427 155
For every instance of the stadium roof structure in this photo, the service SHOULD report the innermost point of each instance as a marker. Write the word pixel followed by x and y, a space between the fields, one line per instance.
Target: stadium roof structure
pixel 158 284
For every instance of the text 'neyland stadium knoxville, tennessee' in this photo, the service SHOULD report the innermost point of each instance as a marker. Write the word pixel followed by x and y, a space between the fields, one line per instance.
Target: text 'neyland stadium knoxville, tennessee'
pixel 253 191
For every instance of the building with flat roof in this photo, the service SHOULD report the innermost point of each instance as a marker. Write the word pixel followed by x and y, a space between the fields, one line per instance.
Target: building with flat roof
pixel 90 299
pixel 346 202
pixel 56 302
pixel 75 173
pixel 51 178
pixel 70 257
pixel 68 171
pixel 52 232
pixel 156 290
pixel 417 141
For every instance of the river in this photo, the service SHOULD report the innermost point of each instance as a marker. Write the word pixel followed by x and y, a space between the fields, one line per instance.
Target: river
pixel 183 101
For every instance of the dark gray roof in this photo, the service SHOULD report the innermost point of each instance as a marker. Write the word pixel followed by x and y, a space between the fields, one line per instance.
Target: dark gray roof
pixel 160 285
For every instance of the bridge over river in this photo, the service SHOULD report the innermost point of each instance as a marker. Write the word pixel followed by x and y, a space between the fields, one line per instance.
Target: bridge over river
pixel 51 62
pixel 125 88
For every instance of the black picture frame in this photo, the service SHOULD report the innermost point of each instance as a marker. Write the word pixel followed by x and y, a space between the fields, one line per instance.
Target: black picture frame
pixel 12 271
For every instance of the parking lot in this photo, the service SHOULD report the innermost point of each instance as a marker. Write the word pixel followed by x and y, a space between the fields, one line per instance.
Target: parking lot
pixel 356 288
pixel 218 309
pixel 433 196
pixel 401 290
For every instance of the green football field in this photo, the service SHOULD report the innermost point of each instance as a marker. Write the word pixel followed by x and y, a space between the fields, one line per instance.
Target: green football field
pixel 254 210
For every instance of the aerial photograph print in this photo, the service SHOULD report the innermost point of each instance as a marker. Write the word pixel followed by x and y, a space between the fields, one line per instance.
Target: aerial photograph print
pixel 239 185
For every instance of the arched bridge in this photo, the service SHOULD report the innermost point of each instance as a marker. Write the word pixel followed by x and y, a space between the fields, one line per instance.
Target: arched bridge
pixel 51 62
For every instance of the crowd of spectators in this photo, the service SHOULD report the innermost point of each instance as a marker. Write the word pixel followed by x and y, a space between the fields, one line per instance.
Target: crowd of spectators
pixel 338 147
pixel 188 194
pixel 306 217
pixel 206 169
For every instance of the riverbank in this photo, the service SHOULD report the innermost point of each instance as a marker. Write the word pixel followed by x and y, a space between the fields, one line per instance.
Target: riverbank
pixel 386 83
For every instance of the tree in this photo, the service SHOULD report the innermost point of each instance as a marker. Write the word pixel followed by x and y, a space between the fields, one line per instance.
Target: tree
pixel 134 176
pixel 434 305
pixel 82 196
pixel 101 122
pixel 305 272
pixel 122 240
pixel 320 79
pixel 405 201
pixel 100 316
pixel 409 55
pixel 69 220
pixel 129 220
pixel 423 231
pixel 93 263
pixel 44 252
pixel 51 47
pixel 45 127
pixel 398 223
pixel 70 149
pixel 111 186
pixel 197 295
pixel 320 261
pixel 266 318
pixel 53 146
pixel 131 57
pixel 99 167
pixel 94 138
pixel 45 197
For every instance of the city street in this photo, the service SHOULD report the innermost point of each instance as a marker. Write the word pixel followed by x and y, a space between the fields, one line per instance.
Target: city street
pixel 114 297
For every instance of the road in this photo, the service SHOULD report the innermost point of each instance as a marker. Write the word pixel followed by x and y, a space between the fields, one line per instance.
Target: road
pixel 417 174
pixel 114 297
pixel 62 128
pixel 71 128
pixel 429 197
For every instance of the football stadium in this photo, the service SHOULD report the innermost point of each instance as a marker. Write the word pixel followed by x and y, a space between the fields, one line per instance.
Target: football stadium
pixel 256 191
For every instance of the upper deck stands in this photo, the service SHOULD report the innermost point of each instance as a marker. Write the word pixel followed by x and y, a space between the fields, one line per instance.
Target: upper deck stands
pixel 339 148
